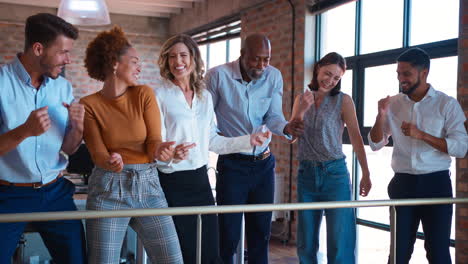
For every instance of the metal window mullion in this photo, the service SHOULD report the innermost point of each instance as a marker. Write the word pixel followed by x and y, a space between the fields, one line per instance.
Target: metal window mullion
pixel 208 56
pixel 228 44
pixel 318 37
pixel 358 28
pixel 406 23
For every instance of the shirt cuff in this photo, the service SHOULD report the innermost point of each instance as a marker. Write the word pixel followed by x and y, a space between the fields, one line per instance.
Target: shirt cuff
pixel 287 136
pixel 456 148
pixel 376 146
pixel 244 143
pixel 164 163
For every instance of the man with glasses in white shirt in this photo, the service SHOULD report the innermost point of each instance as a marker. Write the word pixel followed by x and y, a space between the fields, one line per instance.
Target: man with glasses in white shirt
pixel 427 128
pixel 247 94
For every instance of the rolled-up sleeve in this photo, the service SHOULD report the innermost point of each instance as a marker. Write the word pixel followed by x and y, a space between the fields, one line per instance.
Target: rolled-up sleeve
pixel 377 145
pixel 275 120
pixel 386 134
pixel 456 136
pixel 211 82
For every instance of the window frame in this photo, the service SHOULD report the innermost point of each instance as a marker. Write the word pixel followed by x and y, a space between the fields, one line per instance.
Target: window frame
pixel 358 63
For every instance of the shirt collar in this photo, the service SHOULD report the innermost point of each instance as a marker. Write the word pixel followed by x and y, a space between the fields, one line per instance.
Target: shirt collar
pixel 430 93
pixel 21 72
pixel 237 75
pixel 236 72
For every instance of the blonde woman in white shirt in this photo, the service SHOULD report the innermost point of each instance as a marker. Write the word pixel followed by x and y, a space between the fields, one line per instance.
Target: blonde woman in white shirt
pixel 188 120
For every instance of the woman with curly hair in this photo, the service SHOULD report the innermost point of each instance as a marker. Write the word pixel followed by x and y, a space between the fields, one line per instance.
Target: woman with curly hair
pixel 123 134
pixel 188 119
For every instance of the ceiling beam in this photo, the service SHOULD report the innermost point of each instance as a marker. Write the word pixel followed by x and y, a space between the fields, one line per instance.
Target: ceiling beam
pixel 118 7
pixel 163 3
pixel 122 7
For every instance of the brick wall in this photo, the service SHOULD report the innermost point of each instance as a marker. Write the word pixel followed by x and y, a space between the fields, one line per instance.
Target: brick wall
pixel 207 12
pixel 145 34
pixel 148 51
pixel 461 221
pixel 275 20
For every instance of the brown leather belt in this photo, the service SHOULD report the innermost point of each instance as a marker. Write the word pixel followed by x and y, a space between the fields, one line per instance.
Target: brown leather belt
pixel 35 185
pixel 238 156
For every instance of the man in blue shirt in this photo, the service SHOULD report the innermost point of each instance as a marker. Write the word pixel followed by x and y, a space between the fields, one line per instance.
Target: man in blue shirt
pixel 247 94
pixel 39 123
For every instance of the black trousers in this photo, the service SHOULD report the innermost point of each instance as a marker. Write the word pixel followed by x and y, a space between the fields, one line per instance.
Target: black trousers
pixel 436 219
pixel 192 188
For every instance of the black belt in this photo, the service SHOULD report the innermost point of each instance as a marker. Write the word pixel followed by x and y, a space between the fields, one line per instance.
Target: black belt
pixel 238 156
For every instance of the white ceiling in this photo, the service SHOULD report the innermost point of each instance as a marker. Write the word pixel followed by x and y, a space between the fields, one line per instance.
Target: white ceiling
pixel 153 8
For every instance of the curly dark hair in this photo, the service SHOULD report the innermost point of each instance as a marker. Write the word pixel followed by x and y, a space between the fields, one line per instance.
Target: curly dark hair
pixel 196 77
pixel 330 58
pixel 104 51
pixel 45 28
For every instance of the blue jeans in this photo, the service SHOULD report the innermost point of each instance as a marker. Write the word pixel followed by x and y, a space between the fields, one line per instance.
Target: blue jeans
pixel 436 219
pixel 64 239
pixel 321 182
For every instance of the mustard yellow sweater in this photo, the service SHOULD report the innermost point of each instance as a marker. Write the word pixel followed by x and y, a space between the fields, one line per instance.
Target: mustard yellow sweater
pixel 129 125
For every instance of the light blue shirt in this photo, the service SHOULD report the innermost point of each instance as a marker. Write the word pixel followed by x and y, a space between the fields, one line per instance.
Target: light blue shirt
pixel 36 159
pixel 243 107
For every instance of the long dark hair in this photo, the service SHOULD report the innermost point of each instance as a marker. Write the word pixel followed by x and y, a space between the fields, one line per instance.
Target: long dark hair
pixel 330 58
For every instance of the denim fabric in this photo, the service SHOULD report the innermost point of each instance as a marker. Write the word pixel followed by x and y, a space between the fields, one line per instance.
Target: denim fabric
pixel 65 239
pixel 136 187
pixel 436 219
pixel 320 182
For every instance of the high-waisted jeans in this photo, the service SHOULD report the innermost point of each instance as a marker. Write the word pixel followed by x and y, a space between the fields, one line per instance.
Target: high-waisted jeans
pixel 320 182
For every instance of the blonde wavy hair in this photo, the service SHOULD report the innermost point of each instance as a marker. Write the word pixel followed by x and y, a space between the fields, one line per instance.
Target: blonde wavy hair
pixel 198 68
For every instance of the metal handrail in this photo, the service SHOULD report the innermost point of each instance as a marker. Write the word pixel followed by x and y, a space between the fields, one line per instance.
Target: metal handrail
pixel 87 214
pixel 199 210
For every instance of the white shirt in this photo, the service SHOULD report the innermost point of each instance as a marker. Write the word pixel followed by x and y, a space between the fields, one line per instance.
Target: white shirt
pixel 436 114
pixel 181 124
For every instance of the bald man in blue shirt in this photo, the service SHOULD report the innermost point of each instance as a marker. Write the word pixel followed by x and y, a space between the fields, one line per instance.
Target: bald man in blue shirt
pixel 247 96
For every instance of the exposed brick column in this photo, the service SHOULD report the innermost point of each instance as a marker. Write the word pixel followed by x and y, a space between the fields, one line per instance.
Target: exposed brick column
pixel 461 233
pixel 275 20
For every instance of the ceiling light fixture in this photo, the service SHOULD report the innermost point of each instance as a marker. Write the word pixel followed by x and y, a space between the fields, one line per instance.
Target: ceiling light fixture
pixel 84 12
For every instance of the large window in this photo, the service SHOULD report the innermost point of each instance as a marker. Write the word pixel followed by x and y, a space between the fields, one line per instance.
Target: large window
pixel 217 46
pixel 220 44
pixel 371 34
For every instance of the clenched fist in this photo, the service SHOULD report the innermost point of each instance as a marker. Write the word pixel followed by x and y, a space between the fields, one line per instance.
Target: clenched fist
pixel 115 162
pixel 76 114
pixel 38 122
pixel 383 105
pixel 259 138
